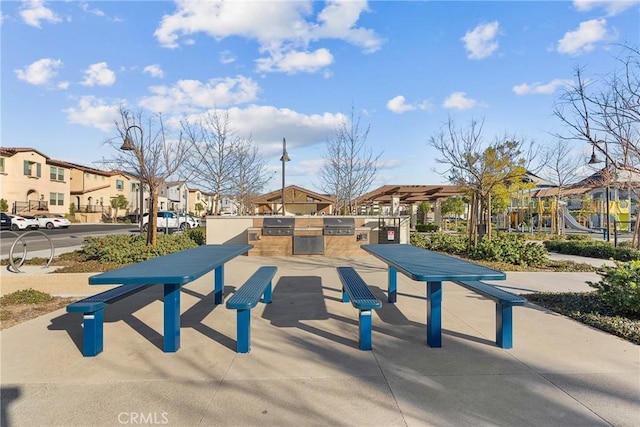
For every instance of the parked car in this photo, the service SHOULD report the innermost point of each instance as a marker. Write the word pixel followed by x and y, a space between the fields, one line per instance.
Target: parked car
pixel 191 220
pixel 166 219
pixel 5 221
pixel 52 221
pixel 26 222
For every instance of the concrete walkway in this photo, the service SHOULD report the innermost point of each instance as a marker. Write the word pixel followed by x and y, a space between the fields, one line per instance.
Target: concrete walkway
pixel 305 367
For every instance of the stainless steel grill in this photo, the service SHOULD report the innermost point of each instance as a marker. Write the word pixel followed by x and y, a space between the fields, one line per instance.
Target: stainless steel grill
pixel 339 226
pixel 278 226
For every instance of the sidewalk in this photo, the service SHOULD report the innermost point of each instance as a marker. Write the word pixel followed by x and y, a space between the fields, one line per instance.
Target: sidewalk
pixel 305 367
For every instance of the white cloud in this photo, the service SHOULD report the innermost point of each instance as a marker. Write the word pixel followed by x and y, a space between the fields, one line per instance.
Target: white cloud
pixel 33 12
pixel 584 38
pixel 339 19
pixel 540 88
pixel 284 30
pixel 265 125
pixel 481 41
pixel 399 105
pixel 192 95
pixel 612 7
pixel 293 62
pixel 226 57
pixel 94 112
pixel 99 74
pixel 154 70
pixel 459 101
pixel 39 72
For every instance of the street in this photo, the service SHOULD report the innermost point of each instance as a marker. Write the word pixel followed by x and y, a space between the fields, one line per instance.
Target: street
pixel 38 240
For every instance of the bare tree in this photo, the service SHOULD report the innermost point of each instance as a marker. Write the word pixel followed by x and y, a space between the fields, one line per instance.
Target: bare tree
pixel 153 157
pixel 211 164
pixel 560 168
pixel 349 165
pixel 478 166
pixel 251 176
pixel 605 113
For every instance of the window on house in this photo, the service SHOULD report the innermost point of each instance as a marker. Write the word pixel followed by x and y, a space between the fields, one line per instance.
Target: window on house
pixel 1 164
pixel 56 174
pixel 56 199
pixel 32 169
pixel 119 184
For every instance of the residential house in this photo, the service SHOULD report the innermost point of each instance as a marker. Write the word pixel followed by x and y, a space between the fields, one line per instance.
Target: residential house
pixel 31 182
pixel 92 190
pixel 177 195
pixel 199 202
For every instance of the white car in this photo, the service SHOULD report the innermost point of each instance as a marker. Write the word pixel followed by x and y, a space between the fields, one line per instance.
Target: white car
pixel 167 219
pixel 24 223
pixel 191 220
pixel 52 221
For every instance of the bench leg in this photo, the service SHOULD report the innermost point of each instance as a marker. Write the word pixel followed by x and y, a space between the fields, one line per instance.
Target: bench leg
pixel 504 326
pixel 266 297
pixel 171 317
pixel 392 284
pixel 345 295
pixel 243 332
pixel 92 333
pixel 218 286
pixel 434 314
pixel 365 330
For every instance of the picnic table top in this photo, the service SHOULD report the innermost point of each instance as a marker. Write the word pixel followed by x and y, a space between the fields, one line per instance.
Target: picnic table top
pixel 176 268
pixel 429 266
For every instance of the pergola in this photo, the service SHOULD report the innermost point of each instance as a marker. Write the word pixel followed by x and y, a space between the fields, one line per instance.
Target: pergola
pixel 409 194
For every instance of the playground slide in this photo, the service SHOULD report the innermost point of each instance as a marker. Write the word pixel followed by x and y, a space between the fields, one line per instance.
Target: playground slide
pixel 571 222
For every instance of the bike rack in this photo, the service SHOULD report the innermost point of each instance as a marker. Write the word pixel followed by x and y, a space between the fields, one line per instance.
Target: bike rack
pixel 16 269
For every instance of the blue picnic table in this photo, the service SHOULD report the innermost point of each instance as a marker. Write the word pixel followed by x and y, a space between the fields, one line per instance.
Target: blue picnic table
pixel 173 271
pixel 433 268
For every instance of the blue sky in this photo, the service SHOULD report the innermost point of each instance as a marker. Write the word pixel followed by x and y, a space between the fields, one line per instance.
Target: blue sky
pixel 293 69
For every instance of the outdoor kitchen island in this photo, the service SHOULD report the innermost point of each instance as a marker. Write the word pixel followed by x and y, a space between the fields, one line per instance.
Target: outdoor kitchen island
pixel 309 235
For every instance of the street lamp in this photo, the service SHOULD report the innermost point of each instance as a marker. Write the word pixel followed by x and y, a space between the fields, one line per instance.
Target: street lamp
pixel 285 158
pixel 128 145
pixel 594 160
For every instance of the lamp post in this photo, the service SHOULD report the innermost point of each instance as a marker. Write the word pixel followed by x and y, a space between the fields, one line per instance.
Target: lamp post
pixel 285 158
pixel 128 145
pixel 594 160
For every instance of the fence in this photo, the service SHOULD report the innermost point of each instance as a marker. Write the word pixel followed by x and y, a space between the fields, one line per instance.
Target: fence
pixel 29 206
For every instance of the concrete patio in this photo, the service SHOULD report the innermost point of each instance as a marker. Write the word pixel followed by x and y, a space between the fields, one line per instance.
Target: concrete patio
pixel 305 368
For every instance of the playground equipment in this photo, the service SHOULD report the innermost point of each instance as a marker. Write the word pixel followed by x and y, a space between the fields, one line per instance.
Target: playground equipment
pixel 571 222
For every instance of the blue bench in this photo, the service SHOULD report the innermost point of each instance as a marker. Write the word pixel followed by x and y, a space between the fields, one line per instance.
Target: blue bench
pixel 504 301
pixel 93 319
pixel 356 291
pixel 256 288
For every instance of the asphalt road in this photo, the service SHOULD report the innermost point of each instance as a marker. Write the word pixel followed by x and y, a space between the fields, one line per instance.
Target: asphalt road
pixel 39 240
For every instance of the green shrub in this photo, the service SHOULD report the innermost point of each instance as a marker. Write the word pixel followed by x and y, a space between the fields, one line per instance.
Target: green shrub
pixel 197 235
pixel 441 242
pixel 427 228
pixel 25 296
pixel 578 237
pixel 127 249
pixel 620 287
pixel 510 248
pixel 593 249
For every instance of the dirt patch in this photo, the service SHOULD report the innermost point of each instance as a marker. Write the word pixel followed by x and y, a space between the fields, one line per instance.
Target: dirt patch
pixel 14 314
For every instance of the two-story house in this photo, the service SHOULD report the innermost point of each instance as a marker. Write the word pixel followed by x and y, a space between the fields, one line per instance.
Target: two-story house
pixel 31 182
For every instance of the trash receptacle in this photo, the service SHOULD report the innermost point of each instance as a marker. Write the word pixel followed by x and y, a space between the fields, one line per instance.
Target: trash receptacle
pixel 389 235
